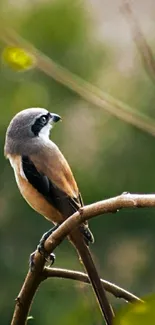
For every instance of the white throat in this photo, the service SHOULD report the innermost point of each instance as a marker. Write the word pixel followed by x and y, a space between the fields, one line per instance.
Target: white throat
pixel 45 132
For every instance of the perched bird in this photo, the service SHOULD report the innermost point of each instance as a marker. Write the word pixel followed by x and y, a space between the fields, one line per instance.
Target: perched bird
pixel 46 181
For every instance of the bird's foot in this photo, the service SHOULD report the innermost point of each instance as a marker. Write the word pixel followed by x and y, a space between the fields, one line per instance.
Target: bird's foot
pixel 88 236
pixel 41 249
pixel 48 257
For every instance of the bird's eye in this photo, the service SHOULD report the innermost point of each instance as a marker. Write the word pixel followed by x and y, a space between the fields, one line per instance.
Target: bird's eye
pixel 39 124
pixel 43 119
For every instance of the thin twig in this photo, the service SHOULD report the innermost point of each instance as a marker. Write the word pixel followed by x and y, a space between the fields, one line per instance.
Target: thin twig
pixel 33 279
pixel 141 43
pixel 115 290
pixel 86 90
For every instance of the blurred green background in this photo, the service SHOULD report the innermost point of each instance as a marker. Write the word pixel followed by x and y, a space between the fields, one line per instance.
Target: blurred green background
pixel 107 155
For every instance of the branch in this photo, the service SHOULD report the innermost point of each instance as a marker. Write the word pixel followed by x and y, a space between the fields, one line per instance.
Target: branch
pixel 140 41
pixel 83 88
pixel 117 291
pixel 33 279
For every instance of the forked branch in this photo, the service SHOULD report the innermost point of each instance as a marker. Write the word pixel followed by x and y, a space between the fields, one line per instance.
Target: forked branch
pixel 33 279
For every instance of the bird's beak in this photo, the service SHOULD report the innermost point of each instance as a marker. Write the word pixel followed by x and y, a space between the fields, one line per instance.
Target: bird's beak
pixel 55 118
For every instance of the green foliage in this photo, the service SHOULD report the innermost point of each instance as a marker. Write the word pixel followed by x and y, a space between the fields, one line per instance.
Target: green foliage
pixel 137 314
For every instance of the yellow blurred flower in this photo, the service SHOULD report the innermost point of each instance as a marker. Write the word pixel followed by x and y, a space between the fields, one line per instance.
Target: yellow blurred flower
pixel 18 58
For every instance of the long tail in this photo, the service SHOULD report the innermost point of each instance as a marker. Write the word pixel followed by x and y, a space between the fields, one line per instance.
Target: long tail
pixel 85 255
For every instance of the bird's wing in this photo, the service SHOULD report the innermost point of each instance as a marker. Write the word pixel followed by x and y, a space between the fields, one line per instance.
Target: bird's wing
pixel 53 178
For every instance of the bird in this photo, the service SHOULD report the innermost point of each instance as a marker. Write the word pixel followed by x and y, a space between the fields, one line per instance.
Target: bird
pixel 46 182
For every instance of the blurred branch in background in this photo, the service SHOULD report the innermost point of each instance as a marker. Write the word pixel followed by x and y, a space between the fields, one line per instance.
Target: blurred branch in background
pixel 83 277
pixel 142 45
pixel 33 279
pixel 86 90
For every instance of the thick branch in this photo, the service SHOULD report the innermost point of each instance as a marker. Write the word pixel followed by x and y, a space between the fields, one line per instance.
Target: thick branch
pixel 115 290
pixel 33 279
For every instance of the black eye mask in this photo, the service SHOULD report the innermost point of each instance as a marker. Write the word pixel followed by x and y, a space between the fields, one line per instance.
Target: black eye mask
pixel 40 123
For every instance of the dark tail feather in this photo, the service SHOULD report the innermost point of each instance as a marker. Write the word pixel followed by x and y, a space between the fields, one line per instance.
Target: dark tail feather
pixel 86 258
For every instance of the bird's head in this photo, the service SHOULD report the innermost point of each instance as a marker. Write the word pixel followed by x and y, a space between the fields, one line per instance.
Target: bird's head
pixel 31 124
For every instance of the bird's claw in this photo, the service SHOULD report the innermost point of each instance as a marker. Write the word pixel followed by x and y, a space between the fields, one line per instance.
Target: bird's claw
pixel 41 249
pixel 48 257
pixel 51 258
